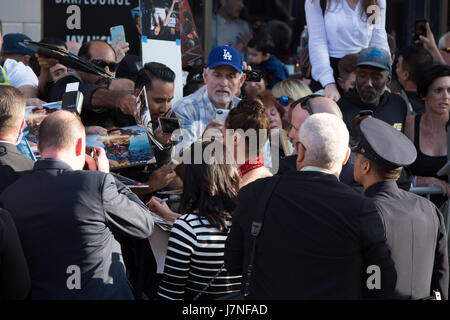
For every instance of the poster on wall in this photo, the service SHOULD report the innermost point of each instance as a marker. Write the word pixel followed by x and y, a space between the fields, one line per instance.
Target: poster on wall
pixel 191 46
pixel 160 19
pixel 160 26
pixel 86 20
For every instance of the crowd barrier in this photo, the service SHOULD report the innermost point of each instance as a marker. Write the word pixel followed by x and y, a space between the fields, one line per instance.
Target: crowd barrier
pixel 428 191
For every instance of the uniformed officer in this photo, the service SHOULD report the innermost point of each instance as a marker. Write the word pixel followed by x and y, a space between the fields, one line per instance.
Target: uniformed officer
pixel 414 227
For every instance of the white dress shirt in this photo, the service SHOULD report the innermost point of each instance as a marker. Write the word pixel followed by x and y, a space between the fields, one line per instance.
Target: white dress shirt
pixel 339 32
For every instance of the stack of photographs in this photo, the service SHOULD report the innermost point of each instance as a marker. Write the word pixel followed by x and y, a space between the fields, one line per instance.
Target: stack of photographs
pixel 144 119
pixel 125 147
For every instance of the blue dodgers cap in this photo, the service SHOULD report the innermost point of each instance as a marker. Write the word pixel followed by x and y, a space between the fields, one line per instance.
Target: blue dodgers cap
pixel 11 44
pixel 375 57
pixel 385 145
pixel 225 56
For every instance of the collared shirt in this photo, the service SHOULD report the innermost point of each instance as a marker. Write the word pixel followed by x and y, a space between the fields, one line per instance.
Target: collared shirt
pixel 196 111
pixel 225 33
pixel 317 169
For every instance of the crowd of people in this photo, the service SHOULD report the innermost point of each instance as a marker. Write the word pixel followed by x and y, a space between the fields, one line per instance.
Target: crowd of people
pixel 288 187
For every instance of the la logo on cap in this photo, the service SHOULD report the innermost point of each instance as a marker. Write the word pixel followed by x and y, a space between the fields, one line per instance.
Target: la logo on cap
pixel 227 55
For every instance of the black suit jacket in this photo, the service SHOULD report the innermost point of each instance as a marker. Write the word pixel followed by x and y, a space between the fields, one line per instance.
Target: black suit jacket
pixel 73 219
pixel 317 241
pixel 416 235
pixel 14 275
pixel 12 164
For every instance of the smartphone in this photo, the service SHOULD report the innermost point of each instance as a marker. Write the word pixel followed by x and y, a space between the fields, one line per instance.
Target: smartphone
pixel 365 113
pixel 90 151
pixel 116 32
pixel 169 125
pixel 222 114
pixel 173 164
pixel 252 76
pixel 420 28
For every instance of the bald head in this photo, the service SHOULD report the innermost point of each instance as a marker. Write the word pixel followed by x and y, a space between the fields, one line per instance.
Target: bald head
pixel 325 105
pixel 318 105
pixel 60 132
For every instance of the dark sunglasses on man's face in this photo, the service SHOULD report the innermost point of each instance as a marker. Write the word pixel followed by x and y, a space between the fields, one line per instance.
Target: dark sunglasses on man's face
pixel 102 64
pixel 304 103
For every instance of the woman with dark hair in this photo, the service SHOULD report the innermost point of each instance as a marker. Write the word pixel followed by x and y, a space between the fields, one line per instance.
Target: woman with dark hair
pixel 245 134
pixel 428 130
pixel 196 247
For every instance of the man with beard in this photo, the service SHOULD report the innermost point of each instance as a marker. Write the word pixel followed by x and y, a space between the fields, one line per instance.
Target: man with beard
pixel 373 73
pixel 223 77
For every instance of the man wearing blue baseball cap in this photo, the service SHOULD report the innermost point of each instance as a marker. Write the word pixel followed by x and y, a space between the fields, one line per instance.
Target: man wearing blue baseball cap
pixel 15 60
pixel 373 73
pixel 223 78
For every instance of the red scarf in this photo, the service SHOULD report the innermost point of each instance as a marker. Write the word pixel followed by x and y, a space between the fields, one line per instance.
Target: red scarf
pixel 248 166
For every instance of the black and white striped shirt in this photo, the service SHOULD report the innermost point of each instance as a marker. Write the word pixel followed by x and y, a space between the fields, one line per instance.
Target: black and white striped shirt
pixel 195 254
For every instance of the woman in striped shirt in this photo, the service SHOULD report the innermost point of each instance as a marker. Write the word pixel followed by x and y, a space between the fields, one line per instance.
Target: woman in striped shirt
pixel 196 247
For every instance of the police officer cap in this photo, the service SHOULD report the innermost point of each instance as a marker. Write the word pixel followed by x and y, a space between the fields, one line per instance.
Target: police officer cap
pixel 385 145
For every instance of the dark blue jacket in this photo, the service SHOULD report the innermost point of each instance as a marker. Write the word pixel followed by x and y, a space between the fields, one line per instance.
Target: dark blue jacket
pixel 276 71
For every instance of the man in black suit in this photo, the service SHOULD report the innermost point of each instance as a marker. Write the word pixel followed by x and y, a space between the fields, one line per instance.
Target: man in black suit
pixel 319 238
pixel 12 113
pixel 415 229
pixel 70 221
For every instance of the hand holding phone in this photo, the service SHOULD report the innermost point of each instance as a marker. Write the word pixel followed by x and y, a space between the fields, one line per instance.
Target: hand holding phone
pixel 357 120
pixel 117 35
pixel 420 29
pixel 169 125
pixel 363 113
pixel 96 159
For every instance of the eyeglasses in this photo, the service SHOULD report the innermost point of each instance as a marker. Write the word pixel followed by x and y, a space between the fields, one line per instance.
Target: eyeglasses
pixel 358 149
pixel 102 64
pixel 304 103
pixel 284 100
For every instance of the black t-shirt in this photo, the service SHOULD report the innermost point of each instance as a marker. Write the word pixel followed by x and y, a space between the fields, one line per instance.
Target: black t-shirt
pixel 417 104
pixel 392 109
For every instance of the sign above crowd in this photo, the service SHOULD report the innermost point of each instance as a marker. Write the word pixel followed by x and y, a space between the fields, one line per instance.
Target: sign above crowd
pixel 86 20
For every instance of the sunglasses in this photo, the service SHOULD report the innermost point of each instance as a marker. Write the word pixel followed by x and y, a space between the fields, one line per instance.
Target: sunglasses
pixel 304 103
pixel 102 64
pixel 283 100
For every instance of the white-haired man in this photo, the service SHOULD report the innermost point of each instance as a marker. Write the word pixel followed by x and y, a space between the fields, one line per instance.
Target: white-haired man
pixel 320 238
pixel 224 78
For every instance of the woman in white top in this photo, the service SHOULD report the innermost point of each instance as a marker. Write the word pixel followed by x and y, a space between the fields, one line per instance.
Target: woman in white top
pixel 344 27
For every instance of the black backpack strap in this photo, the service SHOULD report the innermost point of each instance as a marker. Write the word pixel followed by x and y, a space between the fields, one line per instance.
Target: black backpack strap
pixel 257 224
